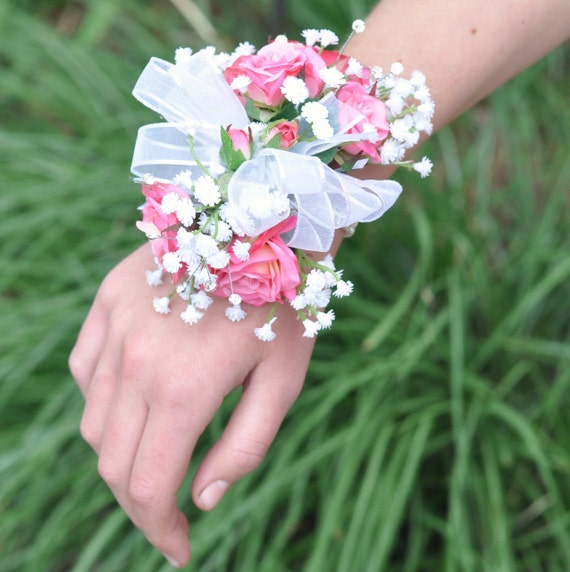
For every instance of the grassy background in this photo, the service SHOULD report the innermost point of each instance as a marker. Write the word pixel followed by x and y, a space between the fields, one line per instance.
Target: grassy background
pixel 439 442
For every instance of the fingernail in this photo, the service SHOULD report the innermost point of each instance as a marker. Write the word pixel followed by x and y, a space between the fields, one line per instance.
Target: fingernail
pixel 213 493
pixel 173 562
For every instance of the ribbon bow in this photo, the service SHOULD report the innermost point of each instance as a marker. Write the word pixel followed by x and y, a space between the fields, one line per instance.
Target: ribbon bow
pixel 195 100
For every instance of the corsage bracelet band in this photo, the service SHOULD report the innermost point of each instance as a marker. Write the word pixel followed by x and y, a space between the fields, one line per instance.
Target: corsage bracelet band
pixel 250 170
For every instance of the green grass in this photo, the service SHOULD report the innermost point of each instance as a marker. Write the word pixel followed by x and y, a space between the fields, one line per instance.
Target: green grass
pixel 439 442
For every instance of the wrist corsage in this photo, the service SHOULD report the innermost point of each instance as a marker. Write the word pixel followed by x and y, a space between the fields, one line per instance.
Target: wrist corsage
pixel 249 170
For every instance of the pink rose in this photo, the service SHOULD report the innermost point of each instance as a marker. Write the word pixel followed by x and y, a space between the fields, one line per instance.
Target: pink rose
pixel 314 63
pixel 156 223
pixel 241 141
pixel 288 130
pixel 355 95
pixel 272 64
pixel 270 274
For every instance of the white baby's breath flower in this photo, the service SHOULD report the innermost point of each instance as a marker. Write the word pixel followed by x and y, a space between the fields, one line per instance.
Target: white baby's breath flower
pixel 235 216
pixel 169 203
pixel 240 83
pixel 235 313
pixel 241 249
pixel 391 151
pixel 311 328
pixel 418 78
pixel 184 179
pixel 185 212
pixel 343 288
pixel 205 245
pixel 358 26
pixel 201 275
pixel 412 138
pixel 244 49
pixel 311 36
pixel 201 300
pixel 332 77
pixel 209 51
pixel 191 315
pixel 161 305
pixel 397 68
pixel 400 128
pixel 182 55
pixel 354 67
pixel 395 104
pixel 184 237
pixel 207 191
pixel 316 280
pixel 427 108
pixel 328 38
pixel 317 298
pixel 386 82
pixel 326 319
pixel 322 129
pixel 219 260
pixel 295 90
pixel 332 278
pixel 265 333
pixel 423 122
pixel 299 302
pixel 423 167
pixel 171 262
pixel 423 94
pixel 314 111
pixel 403 87
pixel 190 257
pixel 154 277
pixel 221 231
pixel 377 72
pixel 148 179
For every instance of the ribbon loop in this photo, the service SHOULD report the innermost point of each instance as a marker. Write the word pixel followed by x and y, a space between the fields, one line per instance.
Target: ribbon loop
pixel 196 101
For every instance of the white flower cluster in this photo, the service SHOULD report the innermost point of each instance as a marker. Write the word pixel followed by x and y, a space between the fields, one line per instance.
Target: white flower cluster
pixel 410 110
pixel 316 114
pixel 321 282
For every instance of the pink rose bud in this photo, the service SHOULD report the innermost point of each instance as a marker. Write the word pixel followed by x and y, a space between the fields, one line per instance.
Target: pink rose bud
pixel 241 141
pixel 288 130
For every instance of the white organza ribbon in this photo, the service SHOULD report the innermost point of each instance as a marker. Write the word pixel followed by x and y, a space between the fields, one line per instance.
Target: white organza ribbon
pixel 194 99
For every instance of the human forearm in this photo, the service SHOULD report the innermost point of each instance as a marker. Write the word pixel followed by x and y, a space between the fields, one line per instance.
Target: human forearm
pixel 466 49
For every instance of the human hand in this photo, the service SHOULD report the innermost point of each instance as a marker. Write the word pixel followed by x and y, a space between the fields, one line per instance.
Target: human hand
pixel 152 384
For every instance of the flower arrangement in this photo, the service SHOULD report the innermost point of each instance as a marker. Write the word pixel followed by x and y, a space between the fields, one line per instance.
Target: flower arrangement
pixel 250 170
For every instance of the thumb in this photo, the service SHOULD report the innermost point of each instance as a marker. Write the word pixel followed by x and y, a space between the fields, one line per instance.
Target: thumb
pixel 266 399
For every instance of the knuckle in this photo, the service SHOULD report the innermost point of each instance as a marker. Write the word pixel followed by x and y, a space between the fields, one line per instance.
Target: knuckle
pixel 89 432
pixel 76 365
pixel 109 471
pixel 131 360
pixel 248 455
pixel 144 493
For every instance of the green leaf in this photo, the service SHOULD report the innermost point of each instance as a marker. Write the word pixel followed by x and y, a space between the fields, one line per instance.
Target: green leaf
pixel 327 156
pixel 274 142
pixel 230 157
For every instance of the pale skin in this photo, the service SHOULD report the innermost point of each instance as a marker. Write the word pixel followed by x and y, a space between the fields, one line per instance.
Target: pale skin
pixel 152 383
